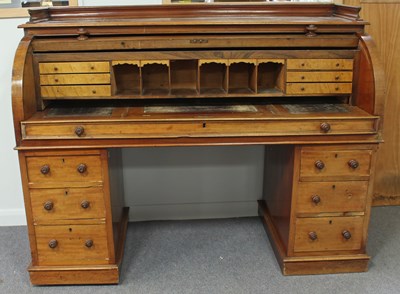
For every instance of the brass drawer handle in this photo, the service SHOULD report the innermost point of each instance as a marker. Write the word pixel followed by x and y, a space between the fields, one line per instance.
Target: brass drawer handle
pixel 313 236
pixel 319 164
pixel 85 204
pixel 48 205
pixel 79 131
pixel 346 234
pixel 353 163
pixel 325 127
pixel 53 243
pixel 316 199
pixel 82 168
pixel 45 169
pixel 89 243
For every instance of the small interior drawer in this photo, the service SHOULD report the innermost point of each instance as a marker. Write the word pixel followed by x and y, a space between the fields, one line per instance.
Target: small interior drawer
pixel 317 76
pixel 73 67
pixel 328 234
pixel 52 205
pixel 75 79
pixel 318 88
pixel 320 197
pixel 64 169
pixel 75 91
pixel 320 64
pixel 72 245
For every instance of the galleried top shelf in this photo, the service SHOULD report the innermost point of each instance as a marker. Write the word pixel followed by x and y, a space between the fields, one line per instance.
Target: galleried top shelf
pixel 199 18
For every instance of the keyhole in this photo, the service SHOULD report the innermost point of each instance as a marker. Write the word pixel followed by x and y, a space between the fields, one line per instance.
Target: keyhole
pixel 66 193
pixel 63 160
pixel 330 222
pixel 333 187
pixel 204 125
pixel 336 155
pixel 70 229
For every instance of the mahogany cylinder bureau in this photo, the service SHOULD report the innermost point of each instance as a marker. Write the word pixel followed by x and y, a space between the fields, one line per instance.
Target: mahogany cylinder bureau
pixel 301 79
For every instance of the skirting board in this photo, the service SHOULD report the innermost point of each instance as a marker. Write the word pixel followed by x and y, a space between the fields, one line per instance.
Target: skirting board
pixel 12 217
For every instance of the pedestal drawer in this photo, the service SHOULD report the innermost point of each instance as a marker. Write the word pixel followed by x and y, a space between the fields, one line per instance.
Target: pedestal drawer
pixel 52 205
pixel 345 164
pixel 72 245
pixel 64 169
pixel 320 197
pixel 328 234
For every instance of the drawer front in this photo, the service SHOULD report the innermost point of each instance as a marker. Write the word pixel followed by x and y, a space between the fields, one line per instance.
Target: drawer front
pixel 318 76
pixel 328 234
pixel 320 197
pixel 195 129
pixel 75 79
pixel 50 205
pixel 75 91
pixel 64 169
pixel 72 245
pixel 318 88
pixel 73 67
pixel 320 64
pixel 342 163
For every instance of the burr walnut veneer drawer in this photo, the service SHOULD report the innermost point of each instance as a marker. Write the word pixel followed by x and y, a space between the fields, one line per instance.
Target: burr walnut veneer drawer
pixel 51 205
pixel 318 88
pixel 320 64
pixel 64 169
pixel 319 76
pixel 342 163
pixel 73 67
pixel 328 234
pixel 75 91
pixel 323 197
pixel 72 244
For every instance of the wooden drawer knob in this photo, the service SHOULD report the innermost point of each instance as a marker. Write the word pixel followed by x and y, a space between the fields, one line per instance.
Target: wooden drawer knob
pixel 85 204
pixel 353 163
pixel 82 168
pixel 313 236
pixel 89 243
pixel 316 199
pixel 319 164
pixel 53 243
pixel 325 127
pixel 79 131
pixel 45 169
pixel 346 234
pixel 48 205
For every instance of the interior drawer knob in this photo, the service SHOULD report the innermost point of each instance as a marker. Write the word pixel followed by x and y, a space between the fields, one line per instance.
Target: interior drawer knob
pixel 353 163
pixel 316 199
pixel 53 243
pixel 82 168
pixel 45 169
pixel 346 234
pixel 48 205
pixel 89 243
pixel 319 164
pixel 85 204
pixel 325 127
pixel 313 236
pixel 79 131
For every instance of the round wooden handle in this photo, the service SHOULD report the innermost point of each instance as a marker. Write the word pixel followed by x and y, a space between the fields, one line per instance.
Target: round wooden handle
pixel 79 131
pixel 313 236
pixel 82 168
pixel 346 234
pixel 89 243
pixel 48 205
pixel 325 127
pixel 316 199
pixel 319 164
pixel 53 243
pixel 353 163
pixel 85 204
pixel 45 169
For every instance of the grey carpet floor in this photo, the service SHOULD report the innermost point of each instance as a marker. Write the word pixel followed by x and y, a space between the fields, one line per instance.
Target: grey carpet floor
pixel 214 256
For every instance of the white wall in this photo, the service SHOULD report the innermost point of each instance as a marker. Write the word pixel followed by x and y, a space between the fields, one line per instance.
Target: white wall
pixel 160 183
pixel 11 202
